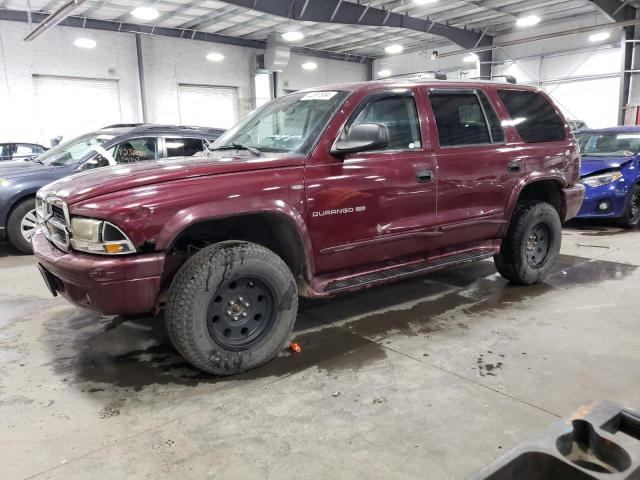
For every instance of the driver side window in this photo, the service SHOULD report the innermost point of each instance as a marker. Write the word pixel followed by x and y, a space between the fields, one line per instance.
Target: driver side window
pixel 400 115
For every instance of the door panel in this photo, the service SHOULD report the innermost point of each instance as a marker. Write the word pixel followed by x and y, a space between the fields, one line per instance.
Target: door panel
pixel 370 207
pixel 477 170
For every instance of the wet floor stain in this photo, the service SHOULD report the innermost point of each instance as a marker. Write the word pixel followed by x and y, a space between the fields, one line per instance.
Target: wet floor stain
pixel 104 356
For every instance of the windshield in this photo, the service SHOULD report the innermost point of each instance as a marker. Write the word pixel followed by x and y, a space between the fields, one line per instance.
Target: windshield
pixel 73 150
pixel 609 144
pixel 289 124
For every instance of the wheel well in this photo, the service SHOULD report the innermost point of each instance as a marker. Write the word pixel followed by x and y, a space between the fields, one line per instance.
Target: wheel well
pixel 15 205
pixel 549 191
pixel 273 231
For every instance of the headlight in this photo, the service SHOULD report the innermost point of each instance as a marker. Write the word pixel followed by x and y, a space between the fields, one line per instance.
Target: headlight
pixel 97 236
pixel 603 179
pixel 4 182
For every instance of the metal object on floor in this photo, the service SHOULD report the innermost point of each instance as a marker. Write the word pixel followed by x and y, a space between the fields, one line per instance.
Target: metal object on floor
pixel 598 441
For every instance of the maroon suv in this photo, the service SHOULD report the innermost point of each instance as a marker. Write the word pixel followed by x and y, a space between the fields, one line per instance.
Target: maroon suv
pixel 317 193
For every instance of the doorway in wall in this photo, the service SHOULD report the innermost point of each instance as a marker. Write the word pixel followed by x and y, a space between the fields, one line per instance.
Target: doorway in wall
pixel 71 106
pixel 208 105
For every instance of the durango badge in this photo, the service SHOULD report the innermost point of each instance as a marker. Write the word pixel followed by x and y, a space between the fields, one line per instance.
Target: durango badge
pixel 339 211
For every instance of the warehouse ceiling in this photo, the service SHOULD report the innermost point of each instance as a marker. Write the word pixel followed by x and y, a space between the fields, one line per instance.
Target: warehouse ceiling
pixel 486 17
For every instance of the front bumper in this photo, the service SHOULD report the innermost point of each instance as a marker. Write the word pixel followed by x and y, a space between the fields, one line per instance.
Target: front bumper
pixel 614 195
pixel 572 198
pixel 123 285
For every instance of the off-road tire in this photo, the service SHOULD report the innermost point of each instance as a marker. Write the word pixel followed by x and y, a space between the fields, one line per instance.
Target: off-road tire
pixel 630 219
pixel 14 228
pixel 201 281
pixel 512 262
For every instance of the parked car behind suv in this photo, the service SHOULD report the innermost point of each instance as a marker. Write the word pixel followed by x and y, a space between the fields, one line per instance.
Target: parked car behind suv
pixel 611 173
pixel 20 151
pixel 114 145
pixel 316 193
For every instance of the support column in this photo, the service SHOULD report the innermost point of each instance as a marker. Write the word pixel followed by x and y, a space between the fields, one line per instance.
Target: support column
pixel 143 88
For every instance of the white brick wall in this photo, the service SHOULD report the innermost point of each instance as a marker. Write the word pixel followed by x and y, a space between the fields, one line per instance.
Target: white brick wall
pixel 167 62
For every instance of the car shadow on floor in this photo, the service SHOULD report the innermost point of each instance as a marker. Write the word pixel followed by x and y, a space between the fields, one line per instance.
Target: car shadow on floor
pixel 130 354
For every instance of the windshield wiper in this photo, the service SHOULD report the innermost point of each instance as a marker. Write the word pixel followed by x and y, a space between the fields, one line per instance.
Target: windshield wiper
pixel 34 160
pixel 239 146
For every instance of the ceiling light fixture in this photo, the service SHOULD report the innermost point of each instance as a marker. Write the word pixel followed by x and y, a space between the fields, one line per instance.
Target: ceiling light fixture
pixel 309 66
pixel 472 57
pixel 292 36
pixel 85 43
pixel 384 73
pixel 424 2
pixel 528 21
pixel 145 13
pixel 215 57
pixel 394 49
pixel 599 37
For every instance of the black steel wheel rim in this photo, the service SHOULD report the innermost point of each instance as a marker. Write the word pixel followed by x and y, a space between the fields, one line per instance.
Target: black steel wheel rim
pixel 241 312
pixel 538 244
pixel 634 211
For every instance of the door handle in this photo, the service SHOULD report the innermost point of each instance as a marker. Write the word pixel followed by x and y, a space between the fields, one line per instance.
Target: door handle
pixel 424 176
pixel 514 167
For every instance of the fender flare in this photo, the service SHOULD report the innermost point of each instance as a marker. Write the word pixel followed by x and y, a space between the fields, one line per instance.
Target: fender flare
pixel 194 215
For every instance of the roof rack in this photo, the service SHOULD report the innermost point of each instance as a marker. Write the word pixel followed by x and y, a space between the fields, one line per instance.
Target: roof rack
pixel 437 75
pixel 508 78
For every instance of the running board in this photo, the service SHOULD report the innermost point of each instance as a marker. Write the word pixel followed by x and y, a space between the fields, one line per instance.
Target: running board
pixel 406 271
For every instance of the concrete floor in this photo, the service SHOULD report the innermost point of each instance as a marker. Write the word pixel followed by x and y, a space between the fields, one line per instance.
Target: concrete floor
pixel 429 378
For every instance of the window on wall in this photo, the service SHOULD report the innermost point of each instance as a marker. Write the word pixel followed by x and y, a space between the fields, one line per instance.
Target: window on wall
pixel 208 106
pixel 460 118
pixel 70 106
pixel 263 90
pixel 533 116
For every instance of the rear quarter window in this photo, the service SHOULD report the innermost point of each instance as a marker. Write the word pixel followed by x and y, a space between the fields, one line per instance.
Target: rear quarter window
pixel 533 116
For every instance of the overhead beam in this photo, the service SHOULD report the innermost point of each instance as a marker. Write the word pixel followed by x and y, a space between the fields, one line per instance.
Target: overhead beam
pixel 616 10
pixel 52 20
pixel 349 13
pixel 111 26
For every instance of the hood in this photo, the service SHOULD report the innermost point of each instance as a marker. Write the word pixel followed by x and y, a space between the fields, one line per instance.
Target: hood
pixel 591 165
pixel 103 181
pixel 21 168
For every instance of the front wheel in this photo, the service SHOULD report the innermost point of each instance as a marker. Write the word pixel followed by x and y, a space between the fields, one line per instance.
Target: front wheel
pixel 231 307
pixel 631 217
pixel 532 245
pixel 22 224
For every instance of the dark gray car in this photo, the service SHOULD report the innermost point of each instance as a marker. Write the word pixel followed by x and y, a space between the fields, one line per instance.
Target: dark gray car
pixel 117 144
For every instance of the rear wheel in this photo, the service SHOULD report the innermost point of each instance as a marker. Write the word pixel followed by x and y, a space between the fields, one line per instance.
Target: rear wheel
pixel 631 217
pixel 532 244
pixel 22 225
pixel 232 307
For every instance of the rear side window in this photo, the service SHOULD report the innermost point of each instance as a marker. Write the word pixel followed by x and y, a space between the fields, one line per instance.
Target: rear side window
pixel 183 147
pixel 533 116
pixel 497 134
pixel 460 119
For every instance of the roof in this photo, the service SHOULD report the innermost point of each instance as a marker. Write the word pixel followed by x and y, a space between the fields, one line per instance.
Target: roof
pixel 137 129
pixel 232 19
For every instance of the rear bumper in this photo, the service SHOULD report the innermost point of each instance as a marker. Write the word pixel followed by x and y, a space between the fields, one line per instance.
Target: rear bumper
pixel 572 198
pixel 111 285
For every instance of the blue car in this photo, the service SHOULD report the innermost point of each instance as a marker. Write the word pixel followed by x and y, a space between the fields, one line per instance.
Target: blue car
pixel 611 174
pixel 114 145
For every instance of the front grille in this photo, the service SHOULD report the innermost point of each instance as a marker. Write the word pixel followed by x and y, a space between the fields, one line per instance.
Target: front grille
pixel 52 214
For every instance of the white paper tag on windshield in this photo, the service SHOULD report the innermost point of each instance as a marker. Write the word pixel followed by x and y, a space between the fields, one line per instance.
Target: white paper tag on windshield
pixel 319 96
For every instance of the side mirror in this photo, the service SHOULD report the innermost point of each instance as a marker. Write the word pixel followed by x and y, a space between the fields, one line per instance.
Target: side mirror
pixel 361 138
